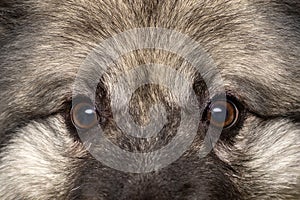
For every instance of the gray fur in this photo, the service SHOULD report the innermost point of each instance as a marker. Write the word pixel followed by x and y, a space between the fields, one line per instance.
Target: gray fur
pixel 255 45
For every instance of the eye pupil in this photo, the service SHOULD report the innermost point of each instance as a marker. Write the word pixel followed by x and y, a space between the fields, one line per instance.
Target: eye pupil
pixel 84 115
pixel 223 113
pixel 219 114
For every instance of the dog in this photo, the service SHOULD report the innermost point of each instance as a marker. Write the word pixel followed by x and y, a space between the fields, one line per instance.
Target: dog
pixel 47 119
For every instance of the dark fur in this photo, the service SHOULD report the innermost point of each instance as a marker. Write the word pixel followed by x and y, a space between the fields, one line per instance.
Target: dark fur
pixel 256 46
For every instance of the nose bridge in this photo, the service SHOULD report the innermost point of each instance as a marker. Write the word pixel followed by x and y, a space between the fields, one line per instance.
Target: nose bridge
pixel 143 102
pixel 162 135
pixel 172 182
pixel 148 186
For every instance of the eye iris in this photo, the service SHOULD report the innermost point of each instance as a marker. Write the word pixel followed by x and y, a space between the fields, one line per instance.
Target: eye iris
pixel 84 116
pixel 223 114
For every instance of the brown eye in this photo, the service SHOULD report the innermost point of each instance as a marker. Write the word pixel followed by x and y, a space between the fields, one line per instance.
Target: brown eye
pixel 84 115
pixel 223 113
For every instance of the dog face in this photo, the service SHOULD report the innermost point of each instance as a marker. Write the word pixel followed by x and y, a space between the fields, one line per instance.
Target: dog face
pixel 48 113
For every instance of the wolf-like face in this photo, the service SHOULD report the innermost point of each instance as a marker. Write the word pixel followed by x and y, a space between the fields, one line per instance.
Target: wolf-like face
pixel 237 96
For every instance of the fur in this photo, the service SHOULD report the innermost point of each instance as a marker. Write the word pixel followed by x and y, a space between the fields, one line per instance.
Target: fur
pixel 255 46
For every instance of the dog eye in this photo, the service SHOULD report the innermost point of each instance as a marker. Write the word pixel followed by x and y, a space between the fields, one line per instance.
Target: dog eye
pixel 223 113
pixel 84 115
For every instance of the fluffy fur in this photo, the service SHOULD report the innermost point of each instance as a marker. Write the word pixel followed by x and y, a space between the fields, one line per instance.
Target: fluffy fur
pixel 255 45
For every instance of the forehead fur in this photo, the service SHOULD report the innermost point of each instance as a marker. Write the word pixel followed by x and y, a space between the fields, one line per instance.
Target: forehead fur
pixel 250 42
